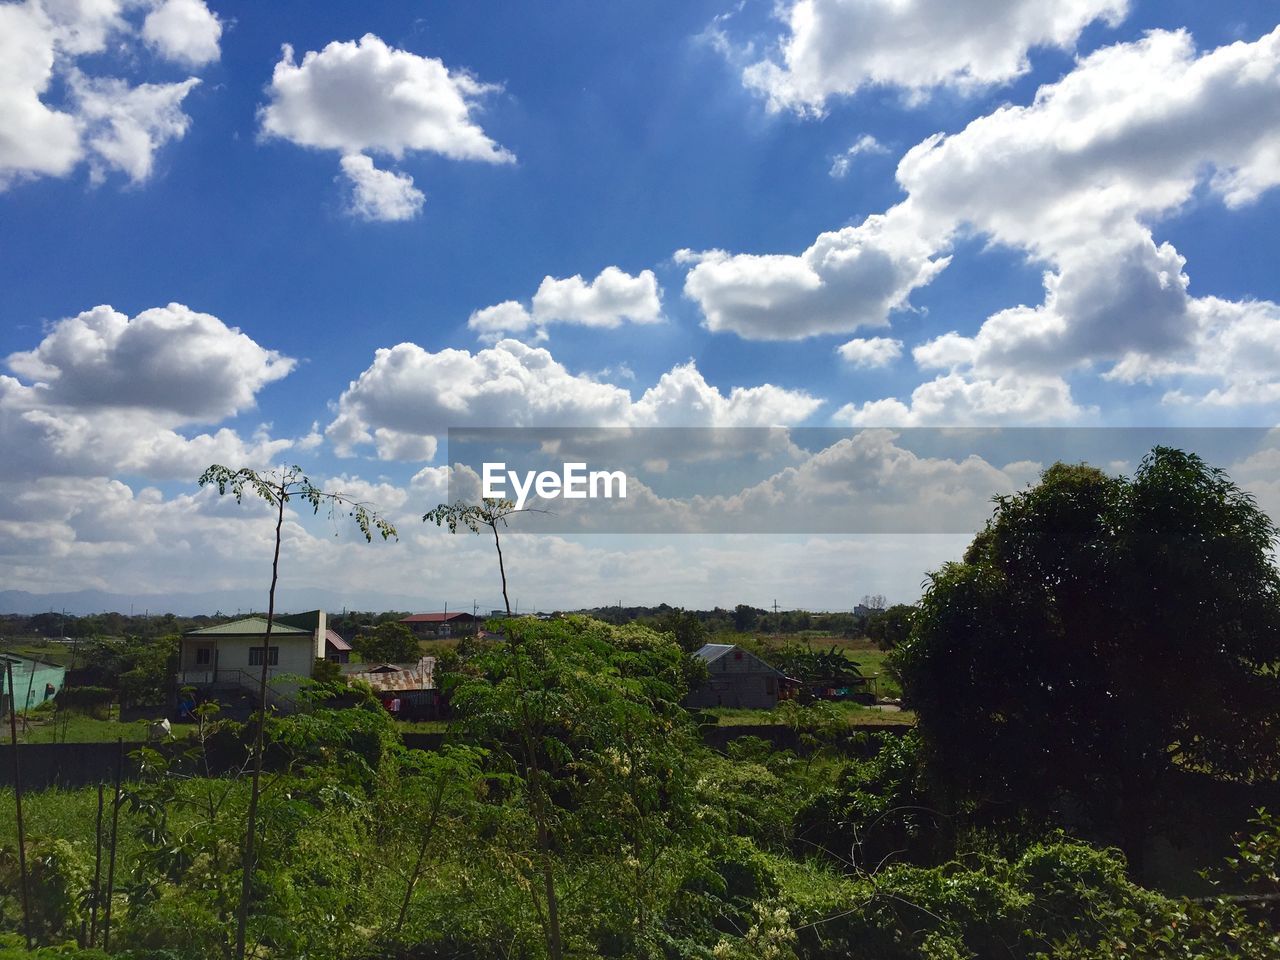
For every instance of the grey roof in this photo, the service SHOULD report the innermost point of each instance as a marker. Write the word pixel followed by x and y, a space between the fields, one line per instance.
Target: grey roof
pixel 714 651
pixel 248 627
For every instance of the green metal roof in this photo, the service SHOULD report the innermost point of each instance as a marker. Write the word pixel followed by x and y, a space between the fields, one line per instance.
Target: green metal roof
pixel 248 627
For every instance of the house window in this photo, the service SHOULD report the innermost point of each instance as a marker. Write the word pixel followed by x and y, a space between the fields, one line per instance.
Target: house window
pixel 769 687
pixel 203 656
pixel 255 656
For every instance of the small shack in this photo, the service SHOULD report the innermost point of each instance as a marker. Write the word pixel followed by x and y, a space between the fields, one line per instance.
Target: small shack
pixel 407 690
pixel 34 681
pixel 736 678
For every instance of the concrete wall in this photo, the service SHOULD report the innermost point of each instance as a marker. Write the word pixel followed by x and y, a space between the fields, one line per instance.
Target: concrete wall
pixel 31 680
pixel 297 655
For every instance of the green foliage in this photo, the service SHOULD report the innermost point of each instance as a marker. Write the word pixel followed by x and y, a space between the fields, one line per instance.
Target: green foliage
pixel 56 877
pixel 685 626
pixel 1101 633
pixel 137 668
pixel 389 642
pixel 94 701
pixel 289 484
pixel 326 671
pixel 572 768
pixel 888 628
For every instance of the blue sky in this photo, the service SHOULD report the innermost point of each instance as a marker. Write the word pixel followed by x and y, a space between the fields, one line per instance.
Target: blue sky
pixel 1087 139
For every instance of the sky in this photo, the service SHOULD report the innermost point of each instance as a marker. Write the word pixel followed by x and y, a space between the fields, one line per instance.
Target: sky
pixel 326 233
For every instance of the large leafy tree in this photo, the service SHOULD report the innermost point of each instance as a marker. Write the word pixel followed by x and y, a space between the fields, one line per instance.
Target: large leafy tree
pixel 1100 635
pixel 389 642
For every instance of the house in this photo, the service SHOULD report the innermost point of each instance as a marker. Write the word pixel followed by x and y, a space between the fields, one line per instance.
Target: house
pixel 34 681
pixel 407 690
pixel 736 678
pixel 456 624
pixel 227 658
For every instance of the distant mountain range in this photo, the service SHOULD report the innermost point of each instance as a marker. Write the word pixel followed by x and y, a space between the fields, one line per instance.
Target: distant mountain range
pixel 82 602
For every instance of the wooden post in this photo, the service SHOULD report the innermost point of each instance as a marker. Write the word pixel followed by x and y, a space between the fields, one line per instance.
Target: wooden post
pixel 26 707
pixel 17 799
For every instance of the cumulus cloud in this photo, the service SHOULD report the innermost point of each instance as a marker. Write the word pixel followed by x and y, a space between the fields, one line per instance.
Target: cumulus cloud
pixel 170 358
pixel 380 195
pixel 55 115
pixel 104 393
pixel 185 31
pixel 872 352
pixel 408 397
pixel 1076 178
pixel 959 400
pixel 841 163
pixel 847 279
pixel 612 298
pixel 837 47
pixel 362 97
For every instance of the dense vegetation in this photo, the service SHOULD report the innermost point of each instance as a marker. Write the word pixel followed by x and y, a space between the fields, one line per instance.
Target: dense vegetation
pixel 573 809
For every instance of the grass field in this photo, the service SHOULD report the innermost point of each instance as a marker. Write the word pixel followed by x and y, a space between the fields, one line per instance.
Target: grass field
pixel 864 652
pixel 858 716
pixel 49 652
pixel 44 726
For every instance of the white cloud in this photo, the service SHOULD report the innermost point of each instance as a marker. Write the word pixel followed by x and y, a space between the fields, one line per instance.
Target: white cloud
pixel 185 31
pixel 509 316
pixel 958 400
pixel 836 47
pixel 54 115
pixel 872 352
pixel 409 396
pixel 104 394
pixel 124 126
pixel 35 139
pixel 361 97
pixel 841 163
pixel 380 194
pixel 847 279
pixel 1076 178
pixel 612 298
pixel 170 359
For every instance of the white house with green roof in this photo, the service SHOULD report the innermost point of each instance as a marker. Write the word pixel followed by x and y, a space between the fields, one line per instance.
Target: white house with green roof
pixel 230 654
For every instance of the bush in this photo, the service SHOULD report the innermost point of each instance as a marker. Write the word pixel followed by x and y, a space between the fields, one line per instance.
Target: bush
pixel 92 701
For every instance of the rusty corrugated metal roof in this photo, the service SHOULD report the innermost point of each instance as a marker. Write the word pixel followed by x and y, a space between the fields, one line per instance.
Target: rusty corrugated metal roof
pixel 396 677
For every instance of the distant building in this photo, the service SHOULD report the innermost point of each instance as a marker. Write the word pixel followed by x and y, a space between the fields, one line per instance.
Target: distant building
pixel 34 681
pixel 432 625
pixel 407 690
pixel 227 658
pixel 736 678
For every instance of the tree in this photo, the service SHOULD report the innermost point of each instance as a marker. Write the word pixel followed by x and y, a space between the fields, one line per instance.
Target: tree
pixel 890 627
pixel 389 642
pixel 586 718
pixel 491 513
pixel 278 488
pixel 685 625
pixel 1100 634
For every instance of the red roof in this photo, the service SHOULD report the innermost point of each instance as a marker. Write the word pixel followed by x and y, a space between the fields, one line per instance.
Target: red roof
pixel 433 617
pixel 335 641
